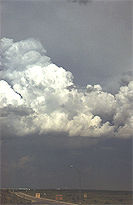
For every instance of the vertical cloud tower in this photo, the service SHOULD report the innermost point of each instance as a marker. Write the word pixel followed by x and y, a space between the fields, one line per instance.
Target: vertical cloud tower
pixel 37 96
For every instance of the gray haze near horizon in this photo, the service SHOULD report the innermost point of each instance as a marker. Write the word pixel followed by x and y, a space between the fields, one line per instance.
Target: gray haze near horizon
pixel 93 41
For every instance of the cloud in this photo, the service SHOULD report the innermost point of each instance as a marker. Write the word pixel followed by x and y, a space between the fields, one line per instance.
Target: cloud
pixel 81 1
pixel 37 96
pixel 24 161
pixel 126 78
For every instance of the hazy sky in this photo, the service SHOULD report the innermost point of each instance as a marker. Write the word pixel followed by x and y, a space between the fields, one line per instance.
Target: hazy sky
pixel 93 41
pixel 66 93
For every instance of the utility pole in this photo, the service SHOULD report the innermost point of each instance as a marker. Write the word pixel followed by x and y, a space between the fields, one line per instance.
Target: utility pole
pixel 79 182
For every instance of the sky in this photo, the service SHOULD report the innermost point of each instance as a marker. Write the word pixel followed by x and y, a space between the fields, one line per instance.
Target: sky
pixel 66 94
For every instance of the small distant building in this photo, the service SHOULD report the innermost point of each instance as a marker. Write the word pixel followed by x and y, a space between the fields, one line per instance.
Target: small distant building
pixel 85 195
pixel 37 195
pixel 59 197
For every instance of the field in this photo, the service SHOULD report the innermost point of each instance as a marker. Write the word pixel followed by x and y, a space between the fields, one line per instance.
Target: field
pixel 7 197
pixel 86 196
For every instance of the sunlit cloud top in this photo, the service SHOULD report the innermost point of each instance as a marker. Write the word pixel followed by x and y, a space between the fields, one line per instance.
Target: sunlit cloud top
pixel 37 96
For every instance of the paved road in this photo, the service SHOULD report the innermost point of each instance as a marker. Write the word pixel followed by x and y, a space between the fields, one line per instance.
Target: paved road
pixel 41 201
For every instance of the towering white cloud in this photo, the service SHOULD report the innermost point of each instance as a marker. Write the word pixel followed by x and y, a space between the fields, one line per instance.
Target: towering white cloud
pixel 36 96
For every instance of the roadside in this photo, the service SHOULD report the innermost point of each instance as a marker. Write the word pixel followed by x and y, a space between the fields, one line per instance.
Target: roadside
pixel 43 200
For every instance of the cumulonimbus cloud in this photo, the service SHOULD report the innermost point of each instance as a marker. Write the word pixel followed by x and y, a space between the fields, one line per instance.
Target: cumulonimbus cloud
pixel 37 96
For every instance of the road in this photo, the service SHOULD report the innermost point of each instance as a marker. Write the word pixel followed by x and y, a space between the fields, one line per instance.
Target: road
pixel 41 201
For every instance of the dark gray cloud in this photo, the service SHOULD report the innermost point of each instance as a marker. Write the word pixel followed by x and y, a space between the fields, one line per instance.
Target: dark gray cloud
pixel 80 1
pixel 45 163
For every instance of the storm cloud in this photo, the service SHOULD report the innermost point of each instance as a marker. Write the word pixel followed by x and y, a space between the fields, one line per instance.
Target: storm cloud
pixel 37 96
pixel 81 1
